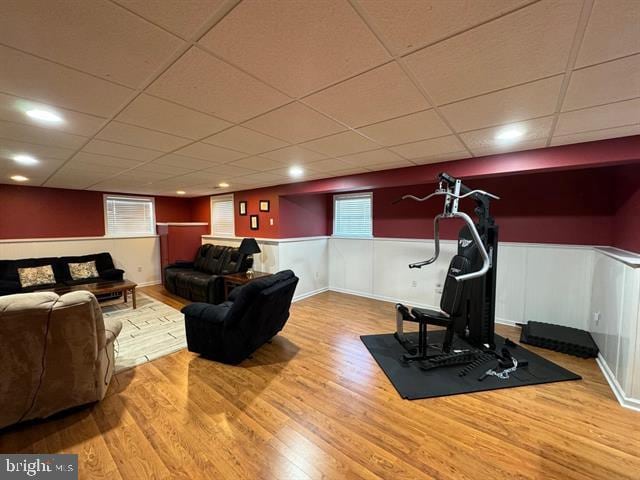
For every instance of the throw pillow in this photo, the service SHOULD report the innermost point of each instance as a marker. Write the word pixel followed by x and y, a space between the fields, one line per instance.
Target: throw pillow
pixel 81 271
pixel 30 277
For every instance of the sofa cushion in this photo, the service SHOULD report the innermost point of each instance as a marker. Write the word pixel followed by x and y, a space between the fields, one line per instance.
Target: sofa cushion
pixel 201 257
pixel 36 276
pixel 84 270
pixel 216 257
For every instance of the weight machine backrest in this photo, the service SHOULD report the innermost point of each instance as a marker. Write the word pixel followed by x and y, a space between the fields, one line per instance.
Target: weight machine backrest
pixel 453 292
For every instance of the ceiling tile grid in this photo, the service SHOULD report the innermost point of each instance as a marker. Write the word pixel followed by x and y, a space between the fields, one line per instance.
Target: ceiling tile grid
pixel 157 97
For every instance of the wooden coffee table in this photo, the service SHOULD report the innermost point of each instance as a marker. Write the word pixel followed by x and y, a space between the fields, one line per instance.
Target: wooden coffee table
pixel 234 280
pixel 103 288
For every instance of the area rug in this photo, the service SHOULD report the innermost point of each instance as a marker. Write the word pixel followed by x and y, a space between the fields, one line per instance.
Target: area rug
pixel 151 331
pixel 412 383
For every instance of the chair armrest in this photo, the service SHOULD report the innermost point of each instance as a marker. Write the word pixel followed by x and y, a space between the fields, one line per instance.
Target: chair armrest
pixel 112 274
pixel 184 264
pixel 208 312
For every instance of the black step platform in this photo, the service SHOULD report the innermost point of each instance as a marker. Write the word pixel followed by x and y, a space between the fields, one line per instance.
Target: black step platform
pixel 561 339
pixel 412 382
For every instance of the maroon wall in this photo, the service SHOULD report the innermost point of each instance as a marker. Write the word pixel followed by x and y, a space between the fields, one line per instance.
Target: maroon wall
pixel 626 191
pixel 36 212
pixel 253 198
pixel 304 216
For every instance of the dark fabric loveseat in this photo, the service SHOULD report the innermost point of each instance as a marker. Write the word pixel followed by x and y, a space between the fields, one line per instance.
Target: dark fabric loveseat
pixel 201 280
pixel 233 330
pixel 10 280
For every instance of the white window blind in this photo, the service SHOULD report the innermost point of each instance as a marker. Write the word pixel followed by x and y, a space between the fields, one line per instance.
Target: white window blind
pixel 222 217
pixel 352 215
pixel 129 216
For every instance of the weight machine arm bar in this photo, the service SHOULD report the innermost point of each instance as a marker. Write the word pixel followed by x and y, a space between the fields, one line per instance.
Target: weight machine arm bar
pixel 486 261
pixel 453 195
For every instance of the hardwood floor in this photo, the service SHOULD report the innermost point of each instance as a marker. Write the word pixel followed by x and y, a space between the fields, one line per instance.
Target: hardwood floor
pixel 314 404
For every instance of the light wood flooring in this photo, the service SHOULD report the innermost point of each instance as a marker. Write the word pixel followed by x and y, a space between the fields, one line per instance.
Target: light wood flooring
pixel 314 404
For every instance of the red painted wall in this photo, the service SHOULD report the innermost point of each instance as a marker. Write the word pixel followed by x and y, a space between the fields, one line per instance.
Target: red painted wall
pixel 304 216
pixel 253 197
pixel 626 188
pixel 200 209
pixel 36 212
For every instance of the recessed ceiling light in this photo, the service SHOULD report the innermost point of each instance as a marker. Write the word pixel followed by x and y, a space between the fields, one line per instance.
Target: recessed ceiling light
pixel 510 134
pixel 223 184
pixel 180 192
pixel 296 171
pixel 43 115
pixel 19 178
pixel 25 159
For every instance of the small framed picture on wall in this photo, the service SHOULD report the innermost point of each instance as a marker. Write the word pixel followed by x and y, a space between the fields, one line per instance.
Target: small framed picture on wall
pixel 264 205
pixel 243 207
pixel 254 222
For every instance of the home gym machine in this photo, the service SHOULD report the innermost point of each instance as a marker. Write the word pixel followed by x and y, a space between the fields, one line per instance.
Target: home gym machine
pixel 468 295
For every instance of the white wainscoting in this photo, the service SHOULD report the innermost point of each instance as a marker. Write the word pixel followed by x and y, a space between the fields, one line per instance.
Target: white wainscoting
pixel 139 257
pixel 550 283
pixel 615 325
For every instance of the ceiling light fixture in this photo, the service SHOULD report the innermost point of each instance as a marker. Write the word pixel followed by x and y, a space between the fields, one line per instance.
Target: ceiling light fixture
pixel 223 185
pixel 296 171
pixel 19 178
pixel 25 159
pixel 181 192
pixel 509 134
pixel 43 115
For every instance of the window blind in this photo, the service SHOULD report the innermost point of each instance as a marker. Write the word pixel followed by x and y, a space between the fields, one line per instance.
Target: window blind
pixel 352 215
pixel 129 216
pixel 222 217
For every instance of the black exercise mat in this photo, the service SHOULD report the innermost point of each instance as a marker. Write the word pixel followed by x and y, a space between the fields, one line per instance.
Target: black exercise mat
pixel 412 383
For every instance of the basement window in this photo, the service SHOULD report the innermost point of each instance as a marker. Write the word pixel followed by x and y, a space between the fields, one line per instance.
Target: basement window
pixel 352 215
pixel 129 216
pixel 222 217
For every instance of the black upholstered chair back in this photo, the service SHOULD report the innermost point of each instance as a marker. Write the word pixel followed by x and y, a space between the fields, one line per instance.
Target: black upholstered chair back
pixel 216 257
pixel 453 291
pixel 201 257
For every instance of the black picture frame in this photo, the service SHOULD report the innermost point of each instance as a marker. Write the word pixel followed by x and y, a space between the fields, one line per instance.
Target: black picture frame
pixel 254 222
pixel 264 205
pixel 242 208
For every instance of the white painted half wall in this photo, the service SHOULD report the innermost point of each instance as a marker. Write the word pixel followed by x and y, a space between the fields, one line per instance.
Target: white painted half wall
pixel 139 257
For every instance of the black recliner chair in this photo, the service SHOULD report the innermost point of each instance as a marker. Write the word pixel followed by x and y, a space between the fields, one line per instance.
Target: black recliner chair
pixel 233 330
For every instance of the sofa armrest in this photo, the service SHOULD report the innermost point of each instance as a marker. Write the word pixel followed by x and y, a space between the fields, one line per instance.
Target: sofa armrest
pixel 112 274
pixel 208 312
pixel 180 265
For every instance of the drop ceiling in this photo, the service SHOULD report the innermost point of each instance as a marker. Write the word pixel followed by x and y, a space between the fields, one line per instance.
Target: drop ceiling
pixel 165 96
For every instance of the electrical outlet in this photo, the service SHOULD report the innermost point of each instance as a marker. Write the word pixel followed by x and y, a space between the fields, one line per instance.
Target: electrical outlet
pixel 596 318
pixel 414 284
pixel 271 221
pixel 439 290
pixel 139 269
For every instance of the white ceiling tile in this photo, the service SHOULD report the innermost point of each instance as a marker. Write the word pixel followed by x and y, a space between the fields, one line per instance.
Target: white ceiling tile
pixel 408 24
pixel 95 162
pixel 596 135
pixel 103 147
pixel 41 136
pixel 50 83
pixel 94 36
pixel 343 143
pixel 483 141
pixel 45 167
pixel 13 109
pixel 245 140
pixel 387 166
pixel 526 45
pixel 296 47
pixel 33 181
pixel 594 86
pixel 441 157
pixel 262 177
pixel 294 155
pixel 295 123
pixel 612 32
pixel 141 137
pixel 228 170
pixel 162 169
pixel 183 161
pixel 211 153
pixel 200 81
pixel 375 157
pixel 599 118
pixel 10 148
pixel 67 181
pixel 157 114
pixel 383 93
pixel 80 169
pixel 417 126
pixel 328 165
pixel 429 148
pixel 535 99
pixel 257 163
pixel 185 18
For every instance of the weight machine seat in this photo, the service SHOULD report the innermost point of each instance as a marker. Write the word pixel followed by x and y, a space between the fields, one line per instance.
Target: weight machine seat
pixel 433 317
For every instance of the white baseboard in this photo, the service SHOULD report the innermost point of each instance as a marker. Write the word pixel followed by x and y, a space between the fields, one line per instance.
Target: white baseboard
pixel 627 402
pixel 302 296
